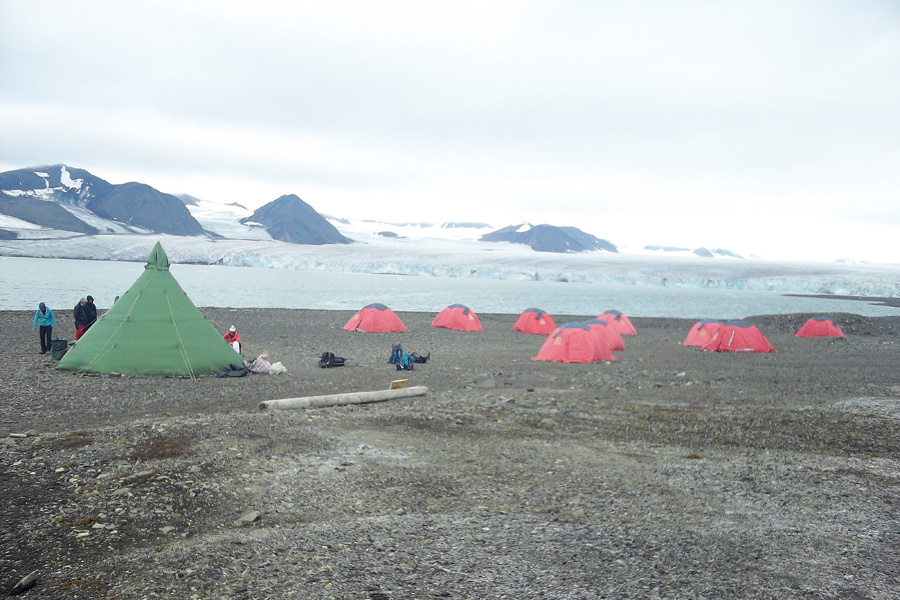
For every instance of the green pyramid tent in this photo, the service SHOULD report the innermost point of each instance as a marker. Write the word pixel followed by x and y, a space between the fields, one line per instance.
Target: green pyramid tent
pixel 154 329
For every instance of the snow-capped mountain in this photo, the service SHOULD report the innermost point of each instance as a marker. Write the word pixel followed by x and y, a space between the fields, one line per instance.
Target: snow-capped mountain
pixel 69 199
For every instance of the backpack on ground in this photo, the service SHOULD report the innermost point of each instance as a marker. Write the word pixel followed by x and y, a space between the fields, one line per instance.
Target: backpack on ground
pixel 396 354
pixel 400 359
pixel 418 358
pixel 406 363
pixel 328 360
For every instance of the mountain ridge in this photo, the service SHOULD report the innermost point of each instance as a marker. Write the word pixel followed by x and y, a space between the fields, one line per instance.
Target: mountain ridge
pixel 57 200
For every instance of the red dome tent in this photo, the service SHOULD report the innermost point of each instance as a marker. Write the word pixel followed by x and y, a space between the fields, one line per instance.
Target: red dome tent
pixel 459 317
pixel 618 321
pixel 573 343
pixel 738 336
pixel 607 336
pixel 820 327
pixel 375 318
pixel 534 320
pixel 701 332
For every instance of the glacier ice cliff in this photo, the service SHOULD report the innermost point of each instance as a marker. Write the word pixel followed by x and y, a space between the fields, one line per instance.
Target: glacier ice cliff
pixel 464 258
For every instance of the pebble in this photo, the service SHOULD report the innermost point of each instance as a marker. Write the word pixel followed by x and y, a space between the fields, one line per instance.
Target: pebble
pixel 248 518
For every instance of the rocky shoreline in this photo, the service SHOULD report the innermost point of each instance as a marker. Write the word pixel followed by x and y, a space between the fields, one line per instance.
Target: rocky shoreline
pixel 670 473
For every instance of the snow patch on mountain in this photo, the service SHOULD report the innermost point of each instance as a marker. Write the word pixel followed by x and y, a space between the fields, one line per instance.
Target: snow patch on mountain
pixel 101 224
pixel 66 179
pixel 40 194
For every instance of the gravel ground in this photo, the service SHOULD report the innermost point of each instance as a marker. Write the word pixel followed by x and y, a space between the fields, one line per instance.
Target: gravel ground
pixel 670 473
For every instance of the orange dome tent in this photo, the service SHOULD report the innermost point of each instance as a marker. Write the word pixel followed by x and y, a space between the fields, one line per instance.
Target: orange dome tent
pixel 375 318
pixel 459 317
pixel 701 332
pixel 618 321
pixel 738 336
pixel 573 343
pixel 607 336
pixel 820 327
pixel 534 320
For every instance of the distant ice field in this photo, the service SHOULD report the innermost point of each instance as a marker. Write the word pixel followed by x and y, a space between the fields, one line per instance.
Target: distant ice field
pixel 61 282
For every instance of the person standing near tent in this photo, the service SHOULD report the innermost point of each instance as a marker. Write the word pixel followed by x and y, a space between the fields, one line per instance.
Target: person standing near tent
pixel 81 321
pixel 90 311
pixel 43 316
pixel 232 337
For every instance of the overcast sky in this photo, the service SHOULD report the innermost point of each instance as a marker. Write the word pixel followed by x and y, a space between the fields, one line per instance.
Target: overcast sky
pixel 761 127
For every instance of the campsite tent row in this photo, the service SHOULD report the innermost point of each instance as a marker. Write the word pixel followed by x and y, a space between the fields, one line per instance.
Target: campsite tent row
pixel 740 336
pixel 595 339
pixel 155 329
pixel 377 317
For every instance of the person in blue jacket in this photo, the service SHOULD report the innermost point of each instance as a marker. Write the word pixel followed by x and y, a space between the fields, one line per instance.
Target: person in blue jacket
pixel 43 316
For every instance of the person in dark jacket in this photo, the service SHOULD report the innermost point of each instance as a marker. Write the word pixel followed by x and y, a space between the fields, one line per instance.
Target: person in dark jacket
pixel 81 321
pixel 90 311
pixel 44 317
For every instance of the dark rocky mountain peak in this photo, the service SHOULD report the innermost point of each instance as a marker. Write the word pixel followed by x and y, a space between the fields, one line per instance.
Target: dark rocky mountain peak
pixel 290 219
pixel 140 205
pixel 549 238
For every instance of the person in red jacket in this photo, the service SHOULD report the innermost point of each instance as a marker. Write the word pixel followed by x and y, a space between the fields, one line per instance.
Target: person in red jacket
pixel 231 336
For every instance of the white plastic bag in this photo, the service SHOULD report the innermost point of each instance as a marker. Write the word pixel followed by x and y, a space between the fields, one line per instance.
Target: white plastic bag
pixel 277 368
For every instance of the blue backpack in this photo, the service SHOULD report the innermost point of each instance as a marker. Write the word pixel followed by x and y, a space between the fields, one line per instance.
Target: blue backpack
pixel 400 359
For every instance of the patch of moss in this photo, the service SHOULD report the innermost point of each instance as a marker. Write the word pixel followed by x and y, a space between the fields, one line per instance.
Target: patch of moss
pixel 161 447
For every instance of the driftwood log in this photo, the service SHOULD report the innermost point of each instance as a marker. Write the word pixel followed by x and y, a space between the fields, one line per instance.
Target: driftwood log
pixel 342 399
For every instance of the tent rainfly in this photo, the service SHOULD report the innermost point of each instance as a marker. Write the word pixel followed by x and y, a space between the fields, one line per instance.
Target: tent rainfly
pixel 607 336
pixel 153 329
pixel 701 332
pixel 618 321
pixel 536 321
pixel 375 318
pixel 573 343
pixel 458 317
pixel 820 327
pixel 738 336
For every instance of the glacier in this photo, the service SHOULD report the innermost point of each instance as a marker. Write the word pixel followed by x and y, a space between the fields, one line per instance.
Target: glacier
pixel 433 257
pixel 433 250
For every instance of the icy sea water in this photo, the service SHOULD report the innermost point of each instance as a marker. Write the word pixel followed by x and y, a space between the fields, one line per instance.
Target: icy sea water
pixel 60 283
